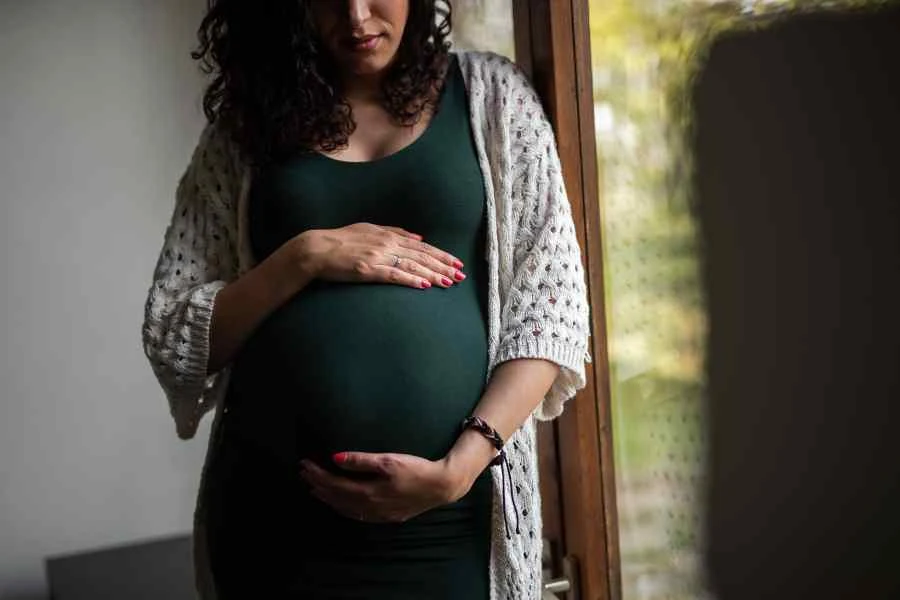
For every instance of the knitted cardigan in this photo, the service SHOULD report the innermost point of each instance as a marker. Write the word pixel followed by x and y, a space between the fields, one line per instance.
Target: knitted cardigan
pixel 538 306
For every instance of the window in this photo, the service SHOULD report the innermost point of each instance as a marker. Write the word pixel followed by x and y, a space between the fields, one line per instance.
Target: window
pixel 644 55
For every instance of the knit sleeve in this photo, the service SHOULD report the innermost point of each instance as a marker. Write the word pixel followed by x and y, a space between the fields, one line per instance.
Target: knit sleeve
pixel 545 313
pixel 197 259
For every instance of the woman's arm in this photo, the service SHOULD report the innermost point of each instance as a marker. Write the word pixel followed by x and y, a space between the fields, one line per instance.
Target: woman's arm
pixel 545 313
pixel 198 310
pixel 516 388
pixel 243 304
pixel 197 260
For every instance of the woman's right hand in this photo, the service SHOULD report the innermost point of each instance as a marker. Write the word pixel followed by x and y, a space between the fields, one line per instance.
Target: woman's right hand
pixel 363 252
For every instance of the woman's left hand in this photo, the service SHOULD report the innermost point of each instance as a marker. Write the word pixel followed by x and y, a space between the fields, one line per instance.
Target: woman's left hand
pixel 402 485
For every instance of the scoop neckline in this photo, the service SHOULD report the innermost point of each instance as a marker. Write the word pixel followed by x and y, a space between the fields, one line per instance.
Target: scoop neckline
pixel 448 81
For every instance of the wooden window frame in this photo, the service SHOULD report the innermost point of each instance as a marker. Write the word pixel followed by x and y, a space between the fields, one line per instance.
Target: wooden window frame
pixel 553 46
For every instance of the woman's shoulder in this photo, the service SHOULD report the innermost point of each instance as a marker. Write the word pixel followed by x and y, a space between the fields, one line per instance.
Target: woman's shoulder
pixel 503 89
pixel 216 159
pixel 492 70
pixel 506 90
pixel 483 58
pixel 216 145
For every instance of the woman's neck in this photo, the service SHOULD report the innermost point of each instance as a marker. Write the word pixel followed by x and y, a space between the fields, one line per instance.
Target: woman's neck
pixel 363 89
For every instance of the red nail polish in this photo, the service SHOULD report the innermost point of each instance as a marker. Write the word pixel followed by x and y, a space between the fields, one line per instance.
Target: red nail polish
pixel 458 264
pixel 446 281
pixel 459 276
pixel 426 285
pixel 340 457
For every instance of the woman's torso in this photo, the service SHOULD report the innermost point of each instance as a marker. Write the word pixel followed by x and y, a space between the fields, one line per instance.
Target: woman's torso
pixel 368 367
pixel 363 366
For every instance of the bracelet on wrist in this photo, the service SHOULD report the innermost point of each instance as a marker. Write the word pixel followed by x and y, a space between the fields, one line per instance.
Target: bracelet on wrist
pixel 482 427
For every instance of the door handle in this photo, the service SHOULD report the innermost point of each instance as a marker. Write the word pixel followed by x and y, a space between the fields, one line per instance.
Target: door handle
pixel 558 586
pixel 567 584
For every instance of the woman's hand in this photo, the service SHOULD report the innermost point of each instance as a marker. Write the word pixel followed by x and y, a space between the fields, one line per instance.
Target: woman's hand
pixel 401 486
pixel 364 252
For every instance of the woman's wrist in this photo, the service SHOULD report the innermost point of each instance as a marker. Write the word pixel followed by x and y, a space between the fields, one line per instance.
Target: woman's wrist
pixel 469 457
pixel 302 260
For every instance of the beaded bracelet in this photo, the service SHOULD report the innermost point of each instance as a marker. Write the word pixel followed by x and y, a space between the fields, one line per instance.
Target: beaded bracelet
pixel 482 427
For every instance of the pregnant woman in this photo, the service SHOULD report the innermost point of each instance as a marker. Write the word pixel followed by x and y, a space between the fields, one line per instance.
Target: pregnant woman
pixel 371 276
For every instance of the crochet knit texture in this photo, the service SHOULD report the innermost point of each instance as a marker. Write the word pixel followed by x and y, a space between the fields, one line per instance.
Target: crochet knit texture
pixel 538 306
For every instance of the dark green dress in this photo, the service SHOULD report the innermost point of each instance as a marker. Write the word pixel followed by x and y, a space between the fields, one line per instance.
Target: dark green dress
pixel 369 367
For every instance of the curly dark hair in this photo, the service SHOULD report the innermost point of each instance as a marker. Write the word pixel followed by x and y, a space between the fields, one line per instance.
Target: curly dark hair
pixel 274 87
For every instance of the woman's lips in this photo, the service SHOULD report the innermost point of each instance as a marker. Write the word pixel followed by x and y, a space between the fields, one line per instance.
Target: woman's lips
pixel 364 44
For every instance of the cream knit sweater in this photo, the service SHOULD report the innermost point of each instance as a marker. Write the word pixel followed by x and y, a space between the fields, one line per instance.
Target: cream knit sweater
pixel 538 304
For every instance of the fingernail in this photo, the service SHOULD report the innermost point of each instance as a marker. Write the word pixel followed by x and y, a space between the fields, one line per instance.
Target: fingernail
pixel 446 281
pixel 426 285
pixel 340 457
pixel 459 276
pixel 457 263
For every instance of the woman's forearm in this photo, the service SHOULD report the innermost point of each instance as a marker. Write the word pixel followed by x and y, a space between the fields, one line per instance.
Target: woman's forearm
pixel 242 305
pixel 513 392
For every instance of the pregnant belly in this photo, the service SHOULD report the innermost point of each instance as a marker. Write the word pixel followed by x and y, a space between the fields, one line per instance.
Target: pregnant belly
pixel 376 368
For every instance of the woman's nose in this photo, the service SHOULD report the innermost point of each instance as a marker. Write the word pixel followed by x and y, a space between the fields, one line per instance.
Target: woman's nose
pixel 358 12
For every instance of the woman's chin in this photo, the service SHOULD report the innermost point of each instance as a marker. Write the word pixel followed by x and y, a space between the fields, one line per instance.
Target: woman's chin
pixel 368 67
pixel 367 64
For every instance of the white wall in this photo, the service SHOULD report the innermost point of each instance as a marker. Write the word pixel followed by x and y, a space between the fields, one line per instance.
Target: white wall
pixel 99 111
